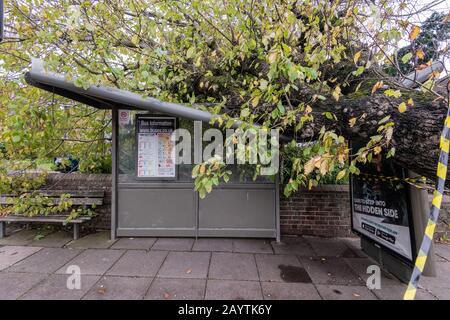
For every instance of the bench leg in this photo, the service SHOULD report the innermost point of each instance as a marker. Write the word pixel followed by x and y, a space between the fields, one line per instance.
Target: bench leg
pixel 76 231
pixel 2 229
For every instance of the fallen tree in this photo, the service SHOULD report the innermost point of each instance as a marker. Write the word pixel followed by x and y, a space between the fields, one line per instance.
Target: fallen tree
pixel 416 133
pixel 317 70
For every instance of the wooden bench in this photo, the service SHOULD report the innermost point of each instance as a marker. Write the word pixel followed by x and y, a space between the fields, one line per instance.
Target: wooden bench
pixel 77 197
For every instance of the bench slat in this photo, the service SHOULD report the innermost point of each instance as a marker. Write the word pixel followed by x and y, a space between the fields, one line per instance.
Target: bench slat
pixel 51 219
pixel 73 193
pixel 75 201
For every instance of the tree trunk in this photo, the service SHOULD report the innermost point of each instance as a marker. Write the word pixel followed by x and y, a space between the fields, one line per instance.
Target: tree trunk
pixel 416 133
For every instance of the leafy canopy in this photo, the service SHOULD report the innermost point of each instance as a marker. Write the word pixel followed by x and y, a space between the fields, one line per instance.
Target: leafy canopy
pixel 283 64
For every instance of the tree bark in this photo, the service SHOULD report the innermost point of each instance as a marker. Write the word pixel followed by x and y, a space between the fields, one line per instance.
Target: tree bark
pixel 416 133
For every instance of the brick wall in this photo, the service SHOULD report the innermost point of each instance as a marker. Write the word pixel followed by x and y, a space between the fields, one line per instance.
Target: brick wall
pixel 322 211
pixel 81 181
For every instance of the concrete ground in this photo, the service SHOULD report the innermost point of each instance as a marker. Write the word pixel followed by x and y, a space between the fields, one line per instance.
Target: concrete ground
pixel 178 268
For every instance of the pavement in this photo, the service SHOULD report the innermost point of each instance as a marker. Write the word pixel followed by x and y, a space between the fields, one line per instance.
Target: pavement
pixel 299 268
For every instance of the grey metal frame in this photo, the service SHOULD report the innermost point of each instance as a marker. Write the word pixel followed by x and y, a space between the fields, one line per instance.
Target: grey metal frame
pixel 136 202
pixel 114 112
pixel 111 98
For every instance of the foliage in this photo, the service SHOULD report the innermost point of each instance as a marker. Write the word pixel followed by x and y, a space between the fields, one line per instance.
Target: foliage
pixel 297 156
pixel 35 204
pixel 15 184
pixel 34 125
pixel 427 45
pixel 208 174
pixel 26 197
pixel 281 64
pixel 97 163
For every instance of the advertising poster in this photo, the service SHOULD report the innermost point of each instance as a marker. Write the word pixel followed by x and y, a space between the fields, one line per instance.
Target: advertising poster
pixel 155 147
pixel 380 208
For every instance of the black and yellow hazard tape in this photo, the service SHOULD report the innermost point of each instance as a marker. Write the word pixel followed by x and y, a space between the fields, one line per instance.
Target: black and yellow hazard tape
pixel 418 182
pixel 441 173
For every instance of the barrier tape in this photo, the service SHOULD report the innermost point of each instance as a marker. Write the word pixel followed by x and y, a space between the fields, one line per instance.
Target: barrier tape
pixel 412 181
pixel 441 173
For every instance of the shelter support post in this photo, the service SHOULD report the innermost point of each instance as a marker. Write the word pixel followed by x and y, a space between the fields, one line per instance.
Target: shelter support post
pixel 277 208
pixel 76 231
pixel 2 229
pixel 114 174
pixel 420 207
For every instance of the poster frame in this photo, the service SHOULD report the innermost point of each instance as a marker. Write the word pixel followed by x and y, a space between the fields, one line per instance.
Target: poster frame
pixel 404 259
pixel 136 151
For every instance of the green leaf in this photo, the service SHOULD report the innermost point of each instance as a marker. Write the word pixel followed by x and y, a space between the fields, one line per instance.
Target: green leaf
pixel 245 113
pixel 385 119
pixel 341 174
pixel 329 115
pixel 407 57
pixel 390 153
pixel 393 93
pixel 281 107
pixel 255 101
pixel 376 138
pixel 263 84
pixel 190 52
pixel 358 71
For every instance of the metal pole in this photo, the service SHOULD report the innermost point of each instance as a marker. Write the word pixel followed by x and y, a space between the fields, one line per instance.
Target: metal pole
pixel 420 207
pixel 114 174
pixel 277 206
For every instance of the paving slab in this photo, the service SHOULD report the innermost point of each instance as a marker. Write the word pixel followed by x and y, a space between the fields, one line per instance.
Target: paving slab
pixel 119 288
pixel 185 265
pixel 13 285
pixel 98 240
pixel 138 263
pixel 293 245
pixel 442 279
pixel 439 293
pixel 47 260
pixel 360 265
pixel 56 239
pixel 233 290
pixel 217 245
pixel 22 237
pixel 233 266
pixel 13 227
pixel 331 271
pixel 10 255
pixel 443 250
pixel 336 292
pixel 284 268
pixel 94 261
pixel 329 247
pixel 252 246
pixel 176 289
pixel 289 291
pixel 354 244
pixel 397 292
pixel 134 243
pixel 55 288
pixel 173 244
